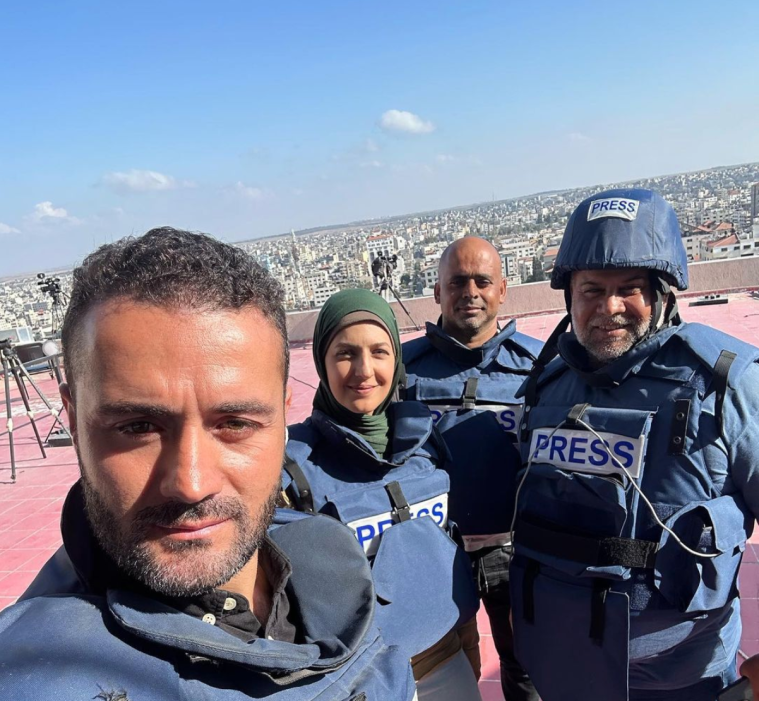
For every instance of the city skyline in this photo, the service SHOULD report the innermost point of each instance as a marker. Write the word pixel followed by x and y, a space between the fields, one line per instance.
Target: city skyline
pixel 718 210
pixel 249 119
pixel 369 223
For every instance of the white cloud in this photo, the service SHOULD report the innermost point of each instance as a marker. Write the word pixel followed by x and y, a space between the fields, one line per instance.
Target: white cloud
pixel 46 213
pixel 445 158
pixel 407 122
pixel 371 146
pixel 579 138
pixel 142 181
pixel 249 192
pixel 5 229
pixel 372 164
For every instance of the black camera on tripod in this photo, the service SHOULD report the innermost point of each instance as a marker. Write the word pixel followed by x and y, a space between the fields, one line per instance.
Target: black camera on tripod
pixel 50 286
pixel 383 266
pixel 382 269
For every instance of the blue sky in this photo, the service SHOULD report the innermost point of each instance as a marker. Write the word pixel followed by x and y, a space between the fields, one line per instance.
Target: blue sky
pixel 246 119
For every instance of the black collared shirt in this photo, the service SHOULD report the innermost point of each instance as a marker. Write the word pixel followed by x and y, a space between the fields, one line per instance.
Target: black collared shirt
pixel 98 573
pixel 232 612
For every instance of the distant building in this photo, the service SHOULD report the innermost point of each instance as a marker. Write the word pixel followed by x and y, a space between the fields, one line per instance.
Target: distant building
pixel 429 275
pixel 17 334
pixel 732 246
pixel 323 293
pixel 694 243
pixel 520 249
pixel 380 245
pixel 510 268
pixel 549 256
pixel 526 267
pixel 755 202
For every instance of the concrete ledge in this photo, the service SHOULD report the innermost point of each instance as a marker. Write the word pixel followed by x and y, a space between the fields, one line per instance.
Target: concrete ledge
pixel 538 298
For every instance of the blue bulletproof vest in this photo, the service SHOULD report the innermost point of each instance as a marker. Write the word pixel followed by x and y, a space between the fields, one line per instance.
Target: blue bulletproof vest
pixel 66 643
pixel 471 394
pixel 598 587
pixel 398 509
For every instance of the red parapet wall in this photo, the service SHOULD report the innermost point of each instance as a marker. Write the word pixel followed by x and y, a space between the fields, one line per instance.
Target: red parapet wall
pixel 539 298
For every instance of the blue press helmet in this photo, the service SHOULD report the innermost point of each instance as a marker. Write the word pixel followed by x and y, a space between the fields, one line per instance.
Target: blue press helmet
pixel 625 228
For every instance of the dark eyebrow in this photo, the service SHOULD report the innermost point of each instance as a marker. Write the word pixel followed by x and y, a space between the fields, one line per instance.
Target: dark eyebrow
pixel 474 276
pixel 157 411
pixel 251 407
pixel 627 281
pixel 340 345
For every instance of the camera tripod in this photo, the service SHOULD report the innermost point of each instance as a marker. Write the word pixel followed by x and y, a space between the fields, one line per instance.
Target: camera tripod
pixel 52 287
pixel 12 365
pixel 387 285
pixel 57 312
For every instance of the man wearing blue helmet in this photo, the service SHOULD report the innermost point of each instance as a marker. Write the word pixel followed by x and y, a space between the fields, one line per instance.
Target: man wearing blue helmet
pixel 640 485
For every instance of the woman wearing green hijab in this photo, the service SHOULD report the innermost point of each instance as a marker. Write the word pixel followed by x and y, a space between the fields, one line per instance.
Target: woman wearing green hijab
pixel 371 461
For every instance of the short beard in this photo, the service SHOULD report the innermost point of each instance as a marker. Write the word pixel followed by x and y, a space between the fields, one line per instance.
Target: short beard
pixel 204 569
pixel 601 354
pixel 468 328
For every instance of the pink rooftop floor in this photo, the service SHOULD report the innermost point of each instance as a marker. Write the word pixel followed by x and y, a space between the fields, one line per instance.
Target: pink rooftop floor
pixel 30 509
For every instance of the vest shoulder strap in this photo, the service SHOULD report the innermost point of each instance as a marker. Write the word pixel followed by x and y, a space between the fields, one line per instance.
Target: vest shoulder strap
pixel 708 345
pixel 720 377
pixel 469 398
pixel 398 499
pixel 304 498
pixel 549 351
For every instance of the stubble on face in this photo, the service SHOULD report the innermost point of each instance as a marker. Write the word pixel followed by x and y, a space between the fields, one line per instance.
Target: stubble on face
pixel 177 568
pixel 602 351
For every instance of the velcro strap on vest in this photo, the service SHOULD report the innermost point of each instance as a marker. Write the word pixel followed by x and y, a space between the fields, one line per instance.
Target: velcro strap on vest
pixel 469 400
pixel 399 501
pixel 589 550
pixel 304 499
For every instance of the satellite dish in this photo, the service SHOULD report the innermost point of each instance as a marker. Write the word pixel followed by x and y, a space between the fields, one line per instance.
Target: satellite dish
pixel 50 347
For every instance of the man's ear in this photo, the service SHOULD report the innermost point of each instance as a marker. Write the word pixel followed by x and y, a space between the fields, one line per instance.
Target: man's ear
pixel 69 406
pixel 288 397
pixel 437 292
pixel 502 291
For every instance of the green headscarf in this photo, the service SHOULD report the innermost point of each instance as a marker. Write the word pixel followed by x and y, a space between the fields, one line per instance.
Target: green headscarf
pixel 343 309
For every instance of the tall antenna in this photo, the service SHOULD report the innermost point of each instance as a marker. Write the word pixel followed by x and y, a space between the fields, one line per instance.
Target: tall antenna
pixel 294 252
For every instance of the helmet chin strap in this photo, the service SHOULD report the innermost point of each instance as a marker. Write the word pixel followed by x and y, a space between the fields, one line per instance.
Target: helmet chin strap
pixel 664 311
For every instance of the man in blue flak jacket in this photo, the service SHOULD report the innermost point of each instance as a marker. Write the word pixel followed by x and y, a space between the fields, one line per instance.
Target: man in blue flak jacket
pixel 467 370
pixel 178 577
pixel 641 484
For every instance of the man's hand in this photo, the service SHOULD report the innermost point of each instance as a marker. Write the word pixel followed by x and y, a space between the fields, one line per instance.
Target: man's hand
pixel 750 669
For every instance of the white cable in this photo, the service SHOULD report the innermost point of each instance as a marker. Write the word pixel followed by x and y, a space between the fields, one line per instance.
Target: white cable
pixel 524 477
pixel 626 473
pixel 644 497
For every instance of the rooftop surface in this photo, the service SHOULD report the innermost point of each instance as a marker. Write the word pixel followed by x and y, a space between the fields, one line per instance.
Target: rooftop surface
pixel 30 509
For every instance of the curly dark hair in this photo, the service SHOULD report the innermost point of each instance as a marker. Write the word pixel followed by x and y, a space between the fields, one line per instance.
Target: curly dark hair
pixel 171 268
